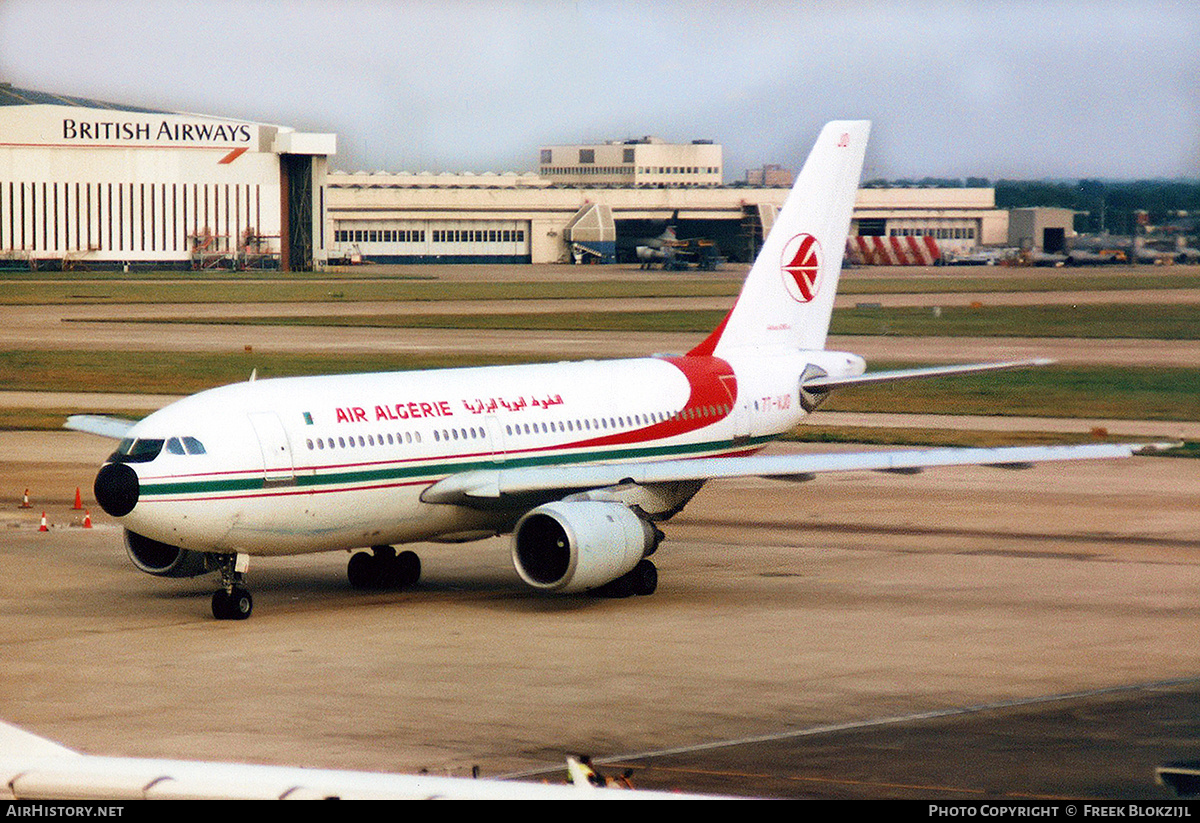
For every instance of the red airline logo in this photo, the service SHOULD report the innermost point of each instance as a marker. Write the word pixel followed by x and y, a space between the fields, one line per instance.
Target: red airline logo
pixel 801 267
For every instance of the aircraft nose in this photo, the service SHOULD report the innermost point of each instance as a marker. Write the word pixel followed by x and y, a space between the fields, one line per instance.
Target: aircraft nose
pixel 116 489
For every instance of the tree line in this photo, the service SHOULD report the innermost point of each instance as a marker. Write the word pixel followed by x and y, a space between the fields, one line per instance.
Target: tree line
pixel 1100 205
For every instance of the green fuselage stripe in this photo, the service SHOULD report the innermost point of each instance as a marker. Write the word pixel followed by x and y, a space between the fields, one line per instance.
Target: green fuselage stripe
pixel 437 470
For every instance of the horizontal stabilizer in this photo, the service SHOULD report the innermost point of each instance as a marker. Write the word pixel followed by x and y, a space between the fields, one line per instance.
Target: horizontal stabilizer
pixel 828 383
pixel 479 486
pixel 101 424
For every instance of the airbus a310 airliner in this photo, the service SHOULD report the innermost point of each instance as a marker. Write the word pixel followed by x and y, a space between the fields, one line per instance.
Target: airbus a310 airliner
pixel 580 462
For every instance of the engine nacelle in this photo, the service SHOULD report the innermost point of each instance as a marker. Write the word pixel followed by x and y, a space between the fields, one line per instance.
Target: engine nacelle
pixel 579 545
pixel 163 559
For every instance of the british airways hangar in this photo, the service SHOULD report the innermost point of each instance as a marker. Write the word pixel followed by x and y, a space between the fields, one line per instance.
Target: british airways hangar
pixel 85 183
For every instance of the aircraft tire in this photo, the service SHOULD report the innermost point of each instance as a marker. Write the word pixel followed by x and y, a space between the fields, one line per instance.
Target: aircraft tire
pixel 235 605
pixel 362 571
pixel 408 567
pixel 644 578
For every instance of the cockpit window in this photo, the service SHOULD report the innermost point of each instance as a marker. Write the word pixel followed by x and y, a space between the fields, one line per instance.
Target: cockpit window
pixel 139 450
pixel 178 445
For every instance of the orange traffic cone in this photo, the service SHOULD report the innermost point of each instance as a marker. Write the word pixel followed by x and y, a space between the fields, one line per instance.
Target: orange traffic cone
pixel 43 527
pixel 25 500
pixel 78 500
pixel 87 520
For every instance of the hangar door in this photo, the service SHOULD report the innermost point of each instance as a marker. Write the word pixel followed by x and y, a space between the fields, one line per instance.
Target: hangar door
pixel 1054 239
pixel 297 230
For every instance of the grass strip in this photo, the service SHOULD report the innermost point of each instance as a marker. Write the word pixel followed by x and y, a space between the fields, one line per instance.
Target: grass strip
pixel 1117 321
pixel 159 290
pixel 1107 280
pixel 1179 321
pixel 187 372
pixel 1098 392
pixel 39 288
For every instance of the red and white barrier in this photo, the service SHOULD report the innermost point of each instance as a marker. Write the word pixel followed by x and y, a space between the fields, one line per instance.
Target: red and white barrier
pixel 893 251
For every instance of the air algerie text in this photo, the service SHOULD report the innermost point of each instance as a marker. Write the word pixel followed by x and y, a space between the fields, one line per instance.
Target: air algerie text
pixel 164 131
pixel 397 411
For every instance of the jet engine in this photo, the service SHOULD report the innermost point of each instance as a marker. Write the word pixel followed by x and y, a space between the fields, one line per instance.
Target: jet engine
pixel 163 559
pixel 575 546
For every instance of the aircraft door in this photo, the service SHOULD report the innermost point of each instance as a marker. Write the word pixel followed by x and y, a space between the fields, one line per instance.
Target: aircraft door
pixel 739 414
pixel 740 417
pixel 278 467
pixel 495 438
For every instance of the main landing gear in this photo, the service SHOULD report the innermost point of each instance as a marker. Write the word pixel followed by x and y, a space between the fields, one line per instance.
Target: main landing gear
pixel 382 568
pixel 642 581
pixel 232 601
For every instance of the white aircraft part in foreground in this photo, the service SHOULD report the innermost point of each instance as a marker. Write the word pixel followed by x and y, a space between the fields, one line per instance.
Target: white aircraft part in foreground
pixel 578 461
pixel 34 768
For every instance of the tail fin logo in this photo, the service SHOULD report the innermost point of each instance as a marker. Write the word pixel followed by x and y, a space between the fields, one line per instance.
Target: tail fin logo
pixel 801 267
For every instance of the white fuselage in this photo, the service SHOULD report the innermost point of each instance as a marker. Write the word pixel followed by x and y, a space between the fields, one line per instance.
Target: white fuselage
pixel 312 464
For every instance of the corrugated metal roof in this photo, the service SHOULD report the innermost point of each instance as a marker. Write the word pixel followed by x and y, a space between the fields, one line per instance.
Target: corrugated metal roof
pixel 10 96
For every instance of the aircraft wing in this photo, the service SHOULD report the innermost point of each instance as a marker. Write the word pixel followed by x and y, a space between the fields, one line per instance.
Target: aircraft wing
pixel 34 768
pixel 101 424
pixel 491 484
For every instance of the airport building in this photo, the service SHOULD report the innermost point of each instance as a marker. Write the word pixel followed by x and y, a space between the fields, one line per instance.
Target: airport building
pixel 1043 229
pixel 93 184
pixel 648 161
pixel 89 184
pixel 525 218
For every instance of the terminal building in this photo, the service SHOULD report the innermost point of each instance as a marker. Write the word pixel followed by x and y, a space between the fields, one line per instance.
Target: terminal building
pixel 89 184
pixel 84 183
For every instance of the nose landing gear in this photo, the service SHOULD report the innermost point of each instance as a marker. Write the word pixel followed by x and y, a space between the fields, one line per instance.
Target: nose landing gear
pixel 232 601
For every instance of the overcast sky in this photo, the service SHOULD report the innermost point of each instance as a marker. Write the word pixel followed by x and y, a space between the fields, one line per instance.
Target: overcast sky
pixel 993 89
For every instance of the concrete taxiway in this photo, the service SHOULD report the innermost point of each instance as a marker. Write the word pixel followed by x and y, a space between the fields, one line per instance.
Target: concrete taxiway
pixel 847 618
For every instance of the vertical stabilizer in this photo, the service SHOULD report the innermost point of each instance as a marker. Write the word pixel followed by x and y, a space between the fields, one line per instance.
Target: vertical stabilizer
pixel 787 298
